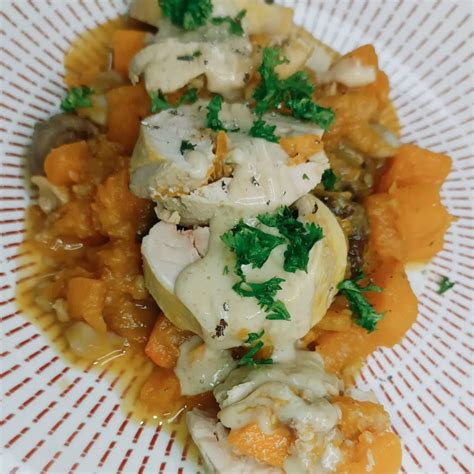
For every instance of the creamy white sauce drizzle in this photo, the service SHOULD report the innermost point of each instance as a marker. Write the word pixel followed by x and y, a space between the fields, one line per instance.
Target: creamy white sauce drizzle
pixel 200 368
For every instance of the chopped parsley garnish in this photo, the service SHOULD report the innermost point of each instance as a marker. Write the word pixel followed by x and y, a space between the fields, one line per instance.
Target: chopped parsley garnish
pixel 158 102
pixel 186 145
pixel 265 294
pixel 187 14
pixel 363 312
pixel 295 92
pixel 261 129
pixel 226 270
pixel 189 97
pixel 329 179
pixel 254 336
pixel 306 109
pixel 235 24
pixel 213 109
pixel 76 98
pixel 189 57
pixel 251 246
pixel 444 285
pixel 248 357
pixel 305 176
pixel 300 237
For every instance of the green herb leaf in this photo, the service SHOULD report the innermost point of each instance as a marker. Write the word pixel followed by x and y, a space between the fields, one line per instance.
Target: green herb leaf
pixel 186 145
pixel 158 102
pixel 254 336
pixel 306 109
pixel 305 177
pixel 363 312
pixel 187 14
pixel 295 92
pixel 248 358
pixel 189 97
pixel 265 293
pixel 235 24
pixel 261 129
pixel 226 270
pixel 444 285
pixel 301 237
pixel 250 245
pixel 189 57
pixel 329 179
pixel 76 98
pixel 213 109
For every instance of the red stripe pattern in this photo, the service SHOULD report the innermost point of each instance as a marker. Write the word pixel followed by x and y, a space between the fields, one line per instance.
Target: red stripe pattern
pixel 59 417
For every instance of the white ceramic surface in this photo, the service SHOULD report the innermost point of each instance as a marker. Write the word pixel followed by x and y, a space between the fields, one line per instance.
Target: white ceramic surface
pixel 55 418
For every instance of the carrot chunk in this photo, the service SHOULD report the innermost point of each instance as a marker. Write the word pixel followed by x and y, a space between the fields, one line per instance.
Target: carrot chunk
pixel 413 165
pixel 163 346
pixel 126 107
pixel 85 299
pixel 270 449
pixel 126 44
pixel 66 164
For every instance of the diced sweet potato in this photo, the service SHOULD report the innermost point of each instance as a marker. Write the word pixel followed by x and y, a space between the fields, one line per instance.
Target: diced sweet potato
pixel 413 165
pixel 163 346
pixel 301 148
pixel 378 454
pixel 359 416
pixel 397 302
pixel 344 352
pixel 270 449
pixel 384 236
pixel 85 301
pixel 161 395
pixel 66 164
pixel 422 220
pixel 126 44
pixel 407 223
pixel 126 107
pixel 76 221
pixel 365 54
pixel 119 211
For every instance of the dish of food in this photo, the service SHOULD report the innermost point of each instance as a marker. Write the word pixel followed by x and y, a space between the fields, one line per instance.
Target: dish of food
pixel 224 218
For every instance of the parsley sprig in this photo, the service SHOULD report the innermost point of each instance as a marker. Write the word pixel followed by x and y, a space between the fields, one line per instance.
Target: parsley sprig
pixel 76 98
pixel 159 101
pixel 329 179
pixel 248 357
pixel 265 295
pixel 187 14
pixel 186 145
pixel 251 246
pixel 261 129
pixel 235 24
pixel 363 312
pixel 300 237
pixel 444 285
pixel 294 93
pixel 213 109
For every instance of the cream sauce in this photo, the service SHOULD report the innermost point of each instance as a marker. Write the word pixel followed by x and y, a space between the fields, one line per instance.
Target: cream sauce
pixel 171 61
pixel 207 292
pixel 293 394
pixel 200 368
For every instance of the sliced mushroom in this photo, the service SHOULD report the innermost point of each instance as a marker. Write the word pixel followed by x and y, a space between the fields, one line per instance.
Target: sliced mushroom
pixel 54 132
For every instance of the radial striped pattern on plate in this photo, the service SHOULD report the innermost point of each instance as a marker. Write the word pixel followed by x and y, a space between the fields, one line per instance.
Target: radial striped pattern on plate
pixel 57 418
